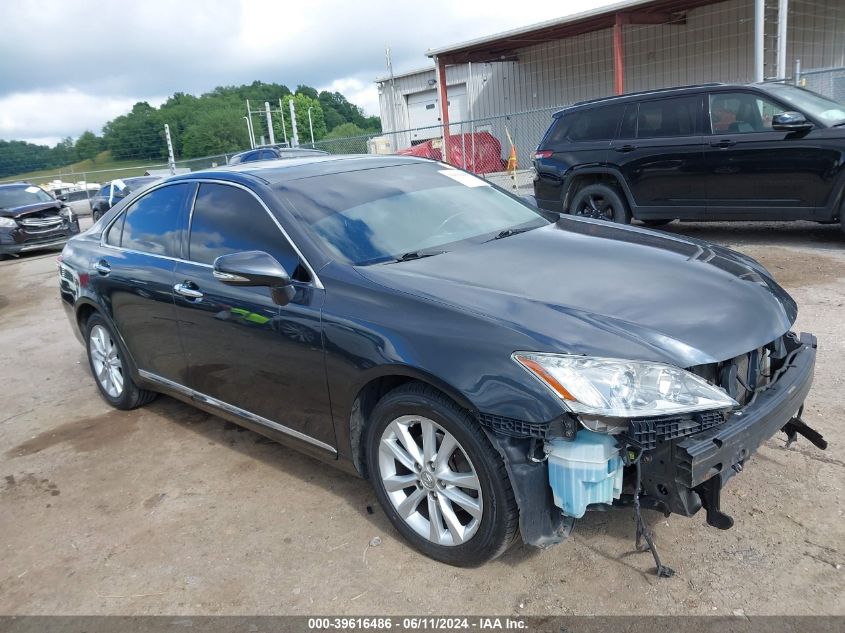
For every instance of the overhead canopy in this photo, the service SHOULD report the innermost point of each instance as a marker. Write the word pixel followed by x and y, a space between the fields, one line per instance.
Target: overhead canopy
pixel 504 46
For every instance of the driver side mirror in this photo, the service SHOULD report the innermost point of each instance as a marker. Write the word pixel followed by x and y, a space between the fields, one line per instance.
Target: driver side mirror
pixel 255 268
pixel 62 198
pixel 790 122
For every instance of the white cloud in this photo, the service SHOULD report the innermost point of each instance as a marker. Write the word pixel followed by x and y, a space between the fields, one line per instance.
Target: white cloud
pixel 107 55
pixel 46 117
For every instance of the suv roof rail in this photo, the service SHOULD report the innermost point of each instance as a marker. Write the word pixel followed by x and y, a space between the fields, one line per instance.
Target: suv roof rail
pixel 642 93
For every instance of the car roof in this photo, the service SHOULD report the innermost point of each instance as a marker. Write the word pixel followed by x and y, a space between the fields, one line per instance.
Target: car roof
pixel 276 171
pixel 657 92
pixel 19 183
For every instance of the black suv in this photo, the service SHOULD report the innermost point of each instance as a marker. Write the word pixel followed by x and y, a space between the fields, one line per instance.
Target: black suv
pixel 710 152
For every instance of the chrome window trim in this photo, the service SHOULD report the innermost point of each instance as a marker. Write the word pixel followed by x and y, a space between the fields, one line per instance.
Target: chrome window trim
pixel 315 279
pixel 230 408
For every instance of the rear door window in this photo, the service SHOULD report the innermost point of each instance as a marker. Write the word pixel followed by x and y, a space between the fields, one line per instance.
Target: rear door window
pixel 676 116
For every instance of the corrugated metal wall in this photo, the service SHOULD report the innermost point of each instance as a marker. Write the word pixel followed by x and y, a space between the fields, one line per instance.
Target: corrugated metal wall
pixel 715 44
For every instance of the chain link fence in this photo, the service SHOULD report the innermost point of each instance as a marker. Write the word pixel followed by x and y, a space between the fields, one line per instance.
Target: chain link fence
pixel 829 82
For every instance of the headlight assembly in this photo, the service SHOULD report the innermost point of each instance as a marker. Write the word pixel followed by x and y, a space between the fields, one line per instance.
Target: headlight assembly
pixel 614 388
pixel 7 223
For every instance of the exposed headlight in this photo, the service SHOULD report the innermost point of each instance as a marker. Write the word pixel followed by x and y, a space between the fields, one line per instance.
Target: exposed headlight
pixel 609 387
pixel 67 213
pixel 8 223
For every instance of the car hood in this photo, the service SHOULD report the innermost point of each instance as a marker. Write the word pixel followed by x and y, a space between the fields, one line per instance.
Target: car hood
pixel 16 212
pixel 591 287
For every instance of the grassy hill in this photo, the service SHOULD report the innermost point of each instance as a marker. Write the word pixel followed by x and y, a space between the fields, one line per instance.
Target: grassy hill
pixel 102 169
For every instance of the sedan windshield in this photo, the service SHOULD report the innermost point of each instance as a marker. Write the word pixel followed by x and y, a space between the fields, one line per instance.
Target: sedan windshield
pixel 12 197
pixel 826 110
pixel 404 212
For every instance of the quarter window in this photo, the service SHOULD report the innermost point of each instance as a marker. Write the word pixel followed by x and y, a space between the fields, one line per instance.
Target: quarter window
pixel 595 124
pixel 152 224
pixel 741 113
pixel 229 220
pixel 678 116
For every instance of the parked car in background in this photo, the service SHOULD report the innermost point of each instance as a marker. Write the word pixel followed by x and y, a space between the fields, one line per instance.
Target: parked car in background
pixel 32 219
pixel 274 153
pixel 79 200
pixel 712 152
pixel 117 189
pixel 492 370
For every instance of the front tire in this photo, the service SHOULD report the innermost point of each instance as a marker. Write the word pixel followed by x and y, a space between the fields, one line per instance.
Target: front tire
pixel 438 479
pixel 95 214
pixel 108 364
pixel 600 202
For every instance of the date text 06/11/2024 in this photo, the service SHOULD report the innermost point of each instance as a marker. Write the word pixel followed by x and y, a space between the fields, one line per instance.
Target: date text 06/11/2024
pixel 416 623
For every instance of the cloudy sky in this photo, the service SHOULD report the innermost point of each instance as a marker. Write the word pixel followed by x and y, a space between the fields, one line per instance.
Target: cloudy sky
pixel 71 65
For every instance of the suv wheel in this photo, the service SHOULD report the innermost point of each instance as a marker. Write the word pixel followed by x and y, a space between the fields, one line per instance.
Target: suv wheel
pixel 439 480
pixel 108 364
pixel 600 202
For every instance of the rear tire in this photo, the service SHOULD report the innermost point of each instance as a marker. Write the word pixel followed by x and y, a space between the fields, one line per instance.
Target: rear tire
pixel 427 457
pixel 108 362
pixel 600 202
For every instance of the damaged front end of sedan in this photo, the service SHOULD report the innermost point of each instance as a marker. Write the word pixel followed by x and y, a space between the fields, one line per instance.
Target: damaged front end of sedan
pixel 649 435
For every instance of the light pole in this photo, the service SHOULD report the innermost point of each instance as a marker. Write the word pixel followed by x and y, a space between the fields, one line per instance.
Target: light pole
pixel 311 127
pixel 249 132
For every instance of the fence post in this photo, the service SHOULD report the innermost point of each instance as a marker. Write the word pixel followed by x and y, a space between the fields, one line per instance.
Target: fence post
pixel 171 161
pixel 269 123
pixel 282 115
pixel 294 135
pixel 797 78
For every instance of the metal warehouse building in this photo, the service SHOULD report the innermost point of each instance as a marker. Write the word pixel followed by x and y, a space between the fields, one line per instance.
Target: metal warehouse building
pixel 516 79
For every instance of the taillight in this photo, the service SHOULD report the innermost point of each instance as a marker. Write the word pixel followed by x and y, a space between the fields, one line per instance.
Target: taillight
pixel 543 153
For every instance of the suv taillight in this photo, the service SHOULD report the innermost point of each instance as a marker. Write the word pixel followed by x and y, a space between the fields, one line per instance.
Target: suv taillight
pixel 543 153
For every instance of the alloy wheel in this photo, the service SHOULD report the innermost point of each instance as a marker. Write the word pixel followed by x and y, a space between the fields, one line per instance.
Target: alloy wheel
pixel 430 480
pixel 596 207
pixel 105 359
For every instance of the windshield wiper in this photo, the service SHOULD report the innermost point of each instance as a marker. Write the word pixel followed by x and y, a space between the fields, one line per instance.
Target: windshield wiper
pixel 406 257
pixel 506 233
pixel 840 124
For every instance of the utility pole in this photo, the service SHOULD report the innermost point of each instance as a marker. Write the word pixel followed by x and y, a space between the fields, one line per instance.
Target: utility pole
pixel 759 31
pixel 311 127
pixel 282 114
pixel 171 162
pixel 783 11
pixel 249 125
pixel 294 135
pixel 392 98
pixel 269 123
pixel 249 132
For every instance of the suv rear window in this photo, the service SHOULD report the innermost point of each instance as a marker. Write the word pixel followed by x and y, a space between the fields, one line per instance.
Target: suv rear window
pixel 677 116
pixel 594 124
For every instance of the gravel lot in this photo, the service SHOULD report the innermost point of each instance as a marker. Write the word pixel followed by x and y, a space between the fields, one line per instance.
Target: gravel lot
pixel 168 510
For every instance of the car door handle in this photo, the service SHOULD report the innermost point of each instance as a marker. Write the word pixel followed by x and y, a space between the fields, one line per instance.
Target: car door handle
pixel 625 148
pixel 725 142
pixel 102 267
pixel 187 289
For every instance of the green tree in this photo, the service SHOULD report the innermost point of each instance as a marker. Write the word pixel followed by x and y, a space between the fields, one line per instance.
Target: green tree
pixel 139 134
pixel 88 145
pixel 215 132
pixel 301 104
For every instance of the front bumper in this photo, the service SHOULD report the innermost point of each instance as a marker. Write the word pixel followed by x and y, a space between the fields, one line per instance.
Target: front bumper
pixel 20 240
pixel 678 473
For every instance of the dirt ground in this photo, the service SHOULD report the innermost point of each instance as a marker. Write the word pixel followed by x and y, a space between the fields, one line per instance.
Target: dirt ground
pixel 168 510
